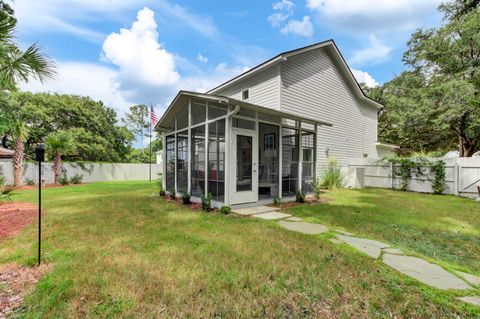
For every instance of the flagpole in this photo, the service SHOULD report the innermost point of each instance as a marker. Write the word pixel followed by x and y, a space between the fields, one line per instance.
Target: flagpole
pixel 150 166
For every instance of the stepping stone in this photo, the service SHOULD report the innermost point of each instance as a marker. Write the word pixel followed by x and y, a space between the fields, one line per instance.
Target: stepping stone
pixel 370 247
pixel 294 219
pixel 394 251
pixel 272 215
pixel 346 233
pixel 472 279
pixel 473 300
pixel 335 241
pixel 248 211
pixel 425 272
pixel 304 228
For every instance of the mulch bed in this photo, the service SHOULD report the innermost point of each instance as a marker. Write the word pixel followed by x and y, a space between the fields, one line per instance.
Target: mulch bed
pixel 29 187
pixel 15 216
pixel 15 283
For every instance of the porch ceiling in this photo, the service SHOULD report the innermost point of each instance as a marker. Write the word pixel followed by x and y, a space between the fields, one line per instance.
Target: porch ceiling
pixel 183 96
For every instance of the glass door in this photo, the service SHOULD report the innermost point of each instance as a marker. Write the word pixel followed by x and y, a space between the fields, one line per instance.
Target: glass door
pixel 245 158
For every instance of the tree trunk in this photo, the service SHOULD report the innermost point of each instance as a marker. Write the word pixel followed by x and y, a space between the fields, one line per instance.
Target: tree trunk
pixel 466 147
pixel 18 155
pixel 57 166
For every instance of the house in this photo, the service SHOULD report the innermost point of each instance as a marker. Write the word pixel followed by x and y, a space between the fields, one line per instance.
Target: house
pixel 6 154
pixel 270 131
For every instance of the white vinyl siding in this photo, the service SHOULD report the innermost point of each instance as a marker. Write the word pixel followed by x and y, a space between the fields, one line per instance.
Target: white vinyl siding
pixel 263 88
pixel 312 85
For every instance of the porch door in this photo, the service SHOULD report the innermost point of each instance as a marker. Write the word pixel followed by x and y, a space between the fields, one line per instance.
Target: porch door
pixel 245 166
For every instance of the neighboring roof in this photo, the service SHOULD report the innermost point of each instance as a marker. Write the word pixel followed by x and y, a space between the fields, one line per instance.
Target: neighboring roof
pixel 387 145
pixel 227 100
pixel 285 55
pixel 6 153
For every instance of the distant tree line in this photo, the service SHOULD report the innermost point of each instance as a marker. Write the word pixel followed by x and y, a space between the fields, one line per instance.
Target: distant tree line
pixel 434 106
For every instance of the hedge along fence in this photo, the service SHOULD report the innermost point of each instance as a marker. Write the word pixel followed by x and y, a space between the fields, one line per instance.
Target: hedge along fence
pixel 92 172
pixel 461 176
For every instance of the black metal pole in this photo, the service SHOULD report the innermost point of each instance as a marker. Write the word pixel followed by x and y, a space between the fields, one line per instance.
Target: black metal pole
pixel 39 211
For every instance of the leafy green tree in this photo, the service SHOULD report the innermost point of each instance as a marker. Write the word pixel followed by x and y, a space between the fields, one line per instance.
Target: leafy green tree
pixel 138 121
pixel 59 143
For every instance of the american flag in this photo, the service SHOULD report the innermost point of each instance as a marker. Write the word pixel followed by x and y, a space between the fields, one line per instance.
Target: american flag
pixel 153 116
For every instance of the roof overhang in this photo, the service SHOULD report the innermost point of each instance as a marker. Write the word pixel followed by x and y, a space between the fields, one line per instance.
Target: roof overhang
pixel 387 146
pixel 6 153
pixel 183 96
pixel 336 55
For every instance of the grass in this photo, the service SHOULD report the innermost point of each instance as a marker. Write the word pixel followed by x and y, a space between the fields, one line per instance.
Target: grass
pixel 442 228
pixel 118 252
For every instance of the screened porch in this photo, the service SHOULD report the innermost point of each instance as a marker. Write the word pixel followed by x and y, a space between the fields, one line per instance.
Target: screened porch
pixel 236 151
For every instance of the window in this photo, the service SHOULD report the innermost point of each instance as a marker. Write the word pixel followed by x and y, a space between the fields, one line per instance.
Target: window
pixel 216 159
pixel 244 163
pixel 198 160
pixel 290 156
pixel 182 117
pixel 308 160
pixel 182 162
pixel 245 94
pixel 268 160
pixel 170 174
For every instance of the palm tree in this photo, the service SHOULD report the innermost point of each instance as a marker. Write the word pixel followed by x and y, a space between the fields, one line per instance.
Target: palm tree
pixel 58 144
pixel 6 191
pixel 21 133
pixel 17 65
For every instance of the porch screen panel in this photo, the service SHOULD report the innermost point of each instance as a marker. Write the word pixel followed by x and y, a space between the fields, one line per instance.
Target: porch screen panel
pixel 170 174
pixel 308 160
pixel 216 159
pixel 182 162
pixel 198 160
pixel 290 157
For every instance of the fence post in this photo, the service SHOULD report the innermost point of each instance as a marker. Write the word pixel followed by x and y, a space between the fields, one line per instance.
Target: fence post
pixel 392 181
pixel 456 178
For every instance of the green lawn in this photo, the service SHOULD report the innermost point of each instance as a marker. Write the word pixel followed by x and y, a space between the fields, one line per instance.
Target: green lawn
pixel 443 228
pixel 118 252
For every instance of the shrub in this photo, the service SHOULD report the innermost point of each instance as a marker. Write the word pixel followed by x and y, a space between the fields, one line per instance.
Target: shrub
pixel 186 198
pixel 277 201
pixel 29 182
pixel 160 185
pixel 317 187
pixel 300 197
pixel 225 210
pixel 63 179
pixel 438 170
pixel 76 179
pixel 206 202
pixel 6 191
pixel 172 194
pixel 333 177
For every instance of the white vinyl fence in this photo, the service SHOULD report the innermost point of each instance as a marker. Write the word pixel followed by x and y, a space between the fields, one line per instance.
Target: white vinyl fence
pixel 462 176
pixel 92 172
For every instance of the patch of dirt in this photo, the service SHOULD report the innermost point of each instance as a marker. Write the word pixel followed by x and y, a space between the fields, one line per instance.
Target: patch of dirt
pixel 15 216
pixel 308 201
pixel 15 283
pixel 29 187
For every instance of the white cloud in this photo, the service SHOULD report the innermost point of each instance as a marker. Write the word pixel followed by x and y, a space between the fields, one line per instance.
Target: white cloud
pixel 302 28
pixel 147 70
pixel 364 77
pixel 202 58
pixel 88 79
pixel 375 53
pixel 284 9
pixel 374 15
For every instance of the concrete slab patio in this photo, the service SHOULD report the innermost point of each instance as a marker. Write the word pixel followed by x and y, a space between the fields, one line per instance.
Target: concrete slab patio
pixel 428 273
pixel 304 228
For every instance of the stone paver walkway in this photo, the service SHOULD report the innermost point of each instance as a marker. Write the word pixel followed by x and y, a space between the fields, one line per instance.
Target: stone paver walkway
pixel 304 228
pixel 422 270
pixel 271 215
pixel 428 273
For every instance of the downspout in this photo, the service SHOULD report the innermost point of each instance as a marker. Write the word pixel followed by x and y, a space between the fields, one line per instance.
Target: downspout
pixel 235 111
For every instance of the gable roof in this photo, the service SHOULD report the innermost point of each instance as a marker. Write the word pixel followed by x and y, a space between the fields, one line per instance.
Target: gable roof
pixel 338 57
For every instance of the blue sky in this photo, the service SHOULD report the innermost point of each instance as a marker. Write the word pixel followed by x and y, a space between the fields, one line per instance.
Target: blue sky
pixel 133 51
